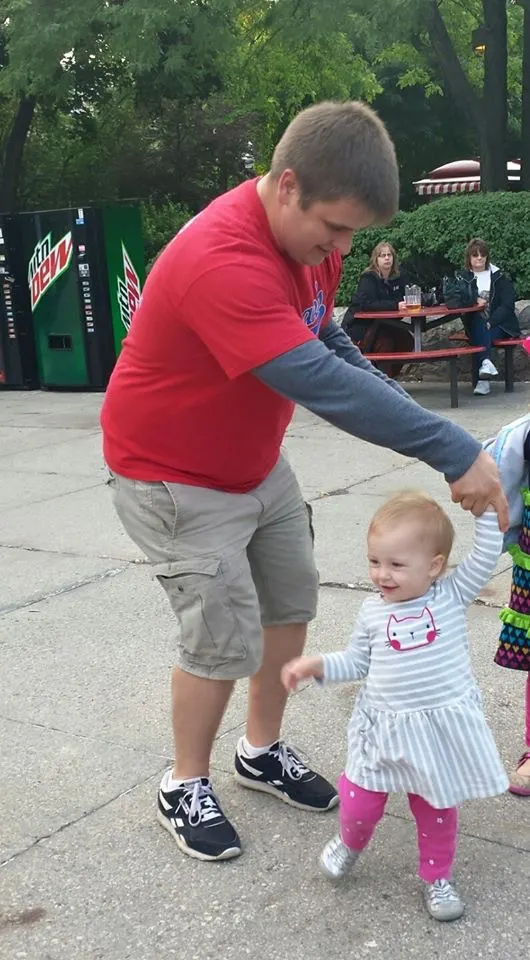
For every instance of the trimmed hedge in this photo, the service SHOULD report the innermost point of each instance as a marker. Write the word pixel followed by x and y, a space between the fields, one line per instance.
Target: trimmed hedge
pixel 430 240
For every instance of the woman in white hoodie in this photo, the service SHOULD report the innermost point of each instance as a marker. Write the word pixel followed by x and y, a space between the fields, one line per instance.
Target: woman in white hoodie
pixel 497 320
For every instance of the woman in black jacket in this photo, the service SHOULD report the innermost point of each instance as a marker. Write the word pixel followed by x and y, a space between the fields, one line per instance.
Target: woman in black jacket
pixel 497 320
pixel 381 288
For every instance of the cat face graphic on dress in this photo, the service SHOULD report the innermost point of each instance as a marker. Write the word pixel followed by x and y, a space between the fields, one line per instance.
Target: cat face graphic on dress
pixel 409 633
pixel 402 562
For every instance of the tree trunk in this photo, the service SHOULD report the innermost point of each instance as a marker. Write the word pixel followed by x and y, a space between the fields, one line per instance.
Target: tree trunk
pixel 466 100
pixel 12 152
pixel 494 120
pixel 525 132
pixel 487 114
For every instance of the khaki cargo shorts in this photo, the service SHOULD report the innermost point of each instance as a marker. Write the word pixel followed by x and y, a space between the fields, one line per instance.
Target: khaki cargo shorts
pixel 229 564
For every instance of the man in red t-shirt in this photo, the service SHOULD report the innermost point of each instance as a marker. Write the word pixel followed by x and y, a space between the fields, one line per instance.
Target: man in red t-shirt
pixel 234 328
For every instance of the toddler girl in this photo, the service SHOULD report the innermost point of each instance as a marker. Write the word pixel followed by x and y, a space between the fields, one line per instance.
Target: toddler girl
pixel 417 725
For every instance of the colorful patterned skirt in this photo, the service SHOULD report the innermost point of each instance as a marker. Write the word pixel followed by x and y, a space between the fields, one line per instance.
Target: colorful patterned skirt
pixel 514 642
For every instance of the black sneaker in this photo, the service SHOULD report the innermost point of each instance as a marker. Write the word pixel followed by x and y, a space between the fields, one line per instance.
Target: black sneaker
pixel 281 772
pixel 193 817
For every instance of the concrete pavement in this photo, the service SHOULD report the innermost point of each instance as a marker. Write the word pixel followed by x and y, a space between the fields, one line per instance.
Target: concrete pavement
pixel 85 659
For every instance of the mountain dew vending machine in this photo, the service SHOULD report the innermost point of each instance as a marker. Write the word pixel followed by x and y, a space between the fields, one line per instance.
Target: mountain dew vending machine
pixel 84 272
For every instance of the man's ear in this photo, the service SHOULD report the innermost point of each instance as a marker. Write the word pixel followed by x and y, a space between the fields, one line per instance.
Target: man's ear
pixel 288 188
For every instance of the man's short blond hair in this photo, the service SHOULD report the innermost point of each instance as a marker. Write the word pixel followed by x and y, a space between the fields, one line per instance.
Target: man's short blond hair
pixel 341 151
pixel 416 506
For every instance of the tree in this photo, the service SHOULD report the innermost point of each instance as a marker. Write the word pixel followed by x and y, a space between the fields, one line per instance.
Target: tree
pixel 49 51
pixel 438 35
pixel 487 112
pixel 525 112
pixel 284 61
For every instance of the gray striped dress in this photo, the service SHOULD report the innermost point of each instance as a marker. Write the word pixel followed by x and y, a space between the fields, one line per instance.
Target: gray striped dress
pixel 418 724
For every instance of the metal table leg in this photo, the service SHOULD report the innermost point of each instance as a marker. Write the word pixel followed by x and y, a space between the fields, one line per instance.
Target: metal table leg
pixel 416 326
pixel 508 369
pixel 453 379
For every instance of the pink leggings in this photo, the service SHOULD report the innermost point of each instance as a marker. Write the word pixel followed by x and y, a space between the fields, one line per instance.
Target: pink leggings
pixel 361 810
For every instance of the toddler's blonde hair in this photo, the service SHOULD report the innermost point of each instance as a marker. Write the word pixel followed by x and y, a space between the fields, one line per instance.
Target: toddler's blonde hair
pixel 419 506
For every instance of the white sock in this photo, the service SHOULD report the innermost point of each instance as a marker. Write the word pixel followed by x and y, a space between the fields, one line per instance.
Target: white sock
pixel 169 783
pixel 251 752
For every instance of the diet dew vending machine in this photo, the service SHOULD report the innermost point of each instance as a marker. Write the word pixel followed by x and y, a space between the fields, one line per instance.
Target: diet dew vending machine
pixel 84 274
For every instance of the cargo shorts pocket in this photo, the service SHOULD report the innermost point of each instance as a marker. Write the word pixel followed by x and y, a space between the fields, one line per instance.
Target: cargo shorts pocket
pixel 158 506
pixel 200 594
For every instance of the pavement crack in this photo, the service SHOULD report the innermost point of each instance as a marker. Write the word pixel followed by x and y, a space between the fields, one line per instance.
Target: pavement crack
pixel 360 585
pixel 56 496
pixel 61 591
pixel 48 728
pixel 76 820
pixel 363 586
pixel 73 553
pixel 44 446
pixel 506 845
pixel 344 491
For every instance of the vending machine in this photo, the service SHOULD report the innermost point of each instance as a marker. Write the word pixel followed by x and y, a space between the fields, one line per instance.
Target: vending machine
pixel 18 358
pixel 83 271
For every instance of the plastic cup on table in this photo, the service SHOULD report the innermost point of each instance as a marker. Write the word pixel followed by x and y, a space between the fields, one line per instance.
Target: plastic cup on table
pixel 413 297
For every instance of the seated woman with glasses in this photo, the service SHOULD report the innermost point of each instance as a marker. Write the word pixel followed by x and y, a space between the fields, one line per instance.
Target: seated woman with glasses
pixel 497 320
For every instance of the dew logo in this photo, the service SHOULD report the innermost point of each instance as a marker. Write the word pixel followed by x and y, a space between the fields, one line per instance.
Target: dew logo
pixel 129 291
pixel 314 315
pixel 47 264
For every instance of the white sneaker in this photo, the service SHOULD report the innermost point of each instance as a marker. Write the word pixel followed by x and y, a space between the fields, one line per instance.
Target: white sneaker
pixel 482 388
pixel 442 901
pixel 488 369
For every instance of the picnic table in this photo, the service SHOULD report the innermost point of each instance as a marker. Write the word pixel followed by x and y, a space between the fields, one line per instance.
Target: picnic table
pixel 426 318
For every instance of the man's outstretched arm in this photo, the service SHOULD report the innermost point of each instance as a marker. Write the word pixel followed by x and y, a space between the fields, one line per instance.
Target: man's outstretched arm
pixel 366 406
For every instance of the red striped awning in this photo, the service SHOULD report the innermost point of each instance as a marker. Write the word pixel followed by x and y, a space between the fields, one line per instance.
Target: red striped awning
pixel 462 176
pixel 436 187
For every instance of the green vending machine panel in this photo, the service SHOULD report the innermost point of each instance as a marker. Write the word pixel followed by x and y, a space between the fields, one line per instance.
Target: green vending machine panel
pixel 124 247
pixel 83 281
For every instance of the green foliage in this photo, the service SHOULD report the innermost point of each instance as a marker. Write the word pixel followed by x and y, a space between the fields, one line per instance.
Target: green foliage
pixel 166 98
pixel 270 76
pixel 160 223
pixel 433 237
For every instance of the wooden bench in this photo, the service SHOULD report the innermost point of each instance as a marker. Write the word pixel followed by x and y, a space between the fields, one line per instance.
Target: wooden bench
pixel 428 356
pixel 507 345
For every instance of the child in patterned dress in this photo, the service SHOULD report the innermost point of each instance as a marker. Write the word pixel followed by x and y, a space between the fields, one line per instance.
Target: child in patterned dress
pixel 511 451
pixel 417 725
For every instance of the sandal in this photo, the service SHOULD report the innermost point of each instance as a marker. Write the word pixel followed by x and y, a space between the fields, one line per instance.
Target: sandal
pixel 520 782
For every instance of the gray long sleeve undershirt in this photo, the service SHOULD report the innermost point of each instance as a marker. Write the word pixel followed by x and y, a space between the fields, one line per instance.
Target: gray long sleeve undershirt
pixel 339 342
pixel 352 395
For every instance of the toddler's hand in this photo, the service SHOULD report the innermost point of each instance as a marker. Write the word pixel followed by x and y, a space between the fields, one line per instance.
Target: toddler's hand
pixel 301 669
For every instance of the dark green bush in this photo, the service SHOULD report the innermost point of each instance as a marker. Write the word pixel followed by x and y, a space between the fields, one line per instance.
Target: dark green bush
pixel 431 239
pixel 160 223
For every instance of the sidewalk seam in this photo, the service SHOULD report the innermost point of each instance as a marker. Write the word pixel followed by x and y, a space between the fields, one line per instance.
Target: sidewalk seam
pixel 83 816
pixel 362 586
pixel 61 591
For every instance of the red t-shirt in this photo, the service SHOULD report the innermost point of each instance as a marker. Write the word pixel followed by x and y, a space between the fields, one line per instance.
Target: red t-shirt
pixel 182 404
